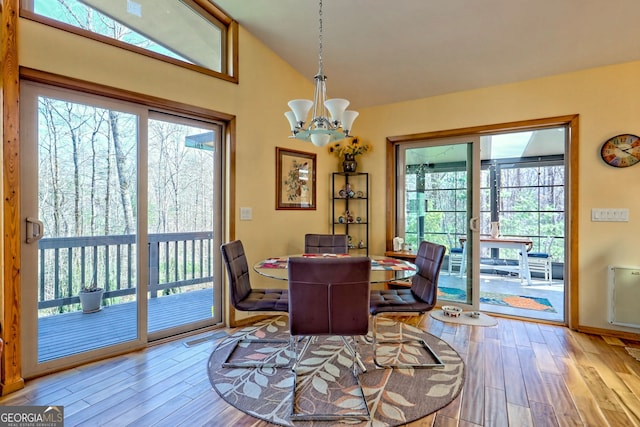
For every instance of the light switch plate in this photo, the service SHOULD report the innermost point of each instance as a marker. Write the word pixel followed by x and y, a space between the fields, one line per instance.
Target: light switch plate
pixel 610 215
pixel 246 214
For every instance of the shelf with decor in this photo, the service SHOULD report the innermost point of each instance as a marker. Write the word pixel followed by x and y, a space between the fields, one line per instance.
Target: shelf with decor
pixel 350 209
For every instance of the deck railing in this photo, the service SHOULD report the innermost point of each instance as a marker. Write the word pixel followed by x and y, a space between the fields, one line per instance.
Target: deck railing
pixel 67 264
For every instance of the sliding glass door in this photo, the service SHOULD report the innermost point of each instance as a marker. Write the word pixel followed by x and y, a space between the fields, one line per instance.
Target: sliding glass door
pixel 523 193
pixel 184 175
pixel 121 205
pixel 497 202
pixel 436 189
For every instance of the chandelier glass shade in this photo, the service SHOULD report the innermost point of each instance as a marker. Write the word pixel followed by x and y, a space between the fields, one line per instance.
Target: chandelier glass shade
pixel 330 119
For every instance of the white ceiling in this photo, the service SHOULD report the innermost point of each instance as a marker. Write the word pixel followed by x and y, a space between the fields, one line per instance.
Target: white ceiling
pixel 379 51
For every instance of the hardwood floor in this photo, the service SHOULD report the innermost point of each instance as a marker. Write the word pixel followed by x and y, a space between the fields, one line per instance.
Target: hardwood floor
pixel 518 374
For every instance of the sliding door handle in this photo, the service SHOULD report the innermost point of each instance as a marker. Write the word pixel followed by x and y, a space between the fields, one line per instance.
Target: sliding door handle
pixel 473 223
pixel 35 230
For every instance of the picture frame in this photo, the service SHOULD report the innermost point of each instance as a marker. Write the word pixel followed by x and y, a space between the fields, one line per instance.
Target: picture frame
pixel 295 180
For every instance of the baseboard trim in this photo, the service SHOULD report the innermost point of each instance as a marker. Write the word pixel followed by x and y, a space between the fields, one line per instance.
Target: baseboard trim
pixel 11 387
pixel 608 332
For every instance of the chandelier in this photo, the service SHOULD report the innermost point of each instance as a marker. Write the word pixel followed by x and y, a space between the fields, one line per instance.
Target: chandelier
pixel 323 128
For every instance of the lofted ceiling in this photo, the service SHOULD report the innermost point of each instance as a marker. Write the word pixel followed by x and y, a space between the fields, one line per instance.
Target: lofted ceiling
pixel 377 52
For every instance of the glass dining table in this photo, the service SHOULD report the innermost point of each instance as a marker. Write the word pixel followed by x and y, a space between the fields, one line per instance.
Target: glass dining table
pixel 383 269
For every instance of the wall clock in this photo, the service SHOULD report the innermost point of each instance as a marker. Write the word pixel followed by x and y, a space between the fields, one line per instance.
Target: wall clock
pixel 621 151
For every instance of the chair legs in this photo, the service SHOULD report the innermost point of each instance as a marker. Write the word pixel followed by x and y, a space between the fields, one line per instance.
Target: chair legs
pixel 543 266
pixel 294 349
pixel 436 363
pixel 549 271
pixel 355 355
pixel 356 361
pixel 455 260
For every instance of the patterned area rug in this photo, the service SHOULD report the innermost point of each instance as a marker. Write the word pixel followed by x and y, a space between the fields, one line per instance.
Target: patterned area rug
pixel 325 382
pixel 494 298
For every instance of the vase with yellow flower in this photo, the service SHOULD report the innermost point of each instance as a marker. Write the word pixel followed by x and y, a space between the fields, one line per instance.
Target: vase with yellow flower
pixel 346 150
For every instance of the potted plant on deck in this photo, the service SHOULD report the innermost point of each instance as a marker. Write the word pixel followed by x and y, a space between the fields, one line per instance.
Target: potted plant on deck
pixel 91 298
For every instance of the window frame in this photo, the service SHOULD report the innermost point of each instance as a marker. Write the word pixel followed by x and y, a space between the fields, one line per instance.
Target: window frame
pixel 206 9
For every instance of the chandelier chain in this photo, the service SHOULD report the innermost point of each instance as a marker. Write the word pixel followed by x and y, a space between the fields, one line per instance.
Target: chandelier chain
pixel 320 38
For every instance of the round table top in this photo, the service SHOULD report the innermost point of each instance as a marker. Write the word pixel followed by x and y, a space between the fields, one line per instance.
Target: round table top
pixel 383 269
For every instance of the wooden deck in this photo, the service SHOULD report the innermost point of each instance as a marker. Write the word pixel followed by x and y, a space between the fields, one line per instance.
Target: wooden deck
pixel 71 333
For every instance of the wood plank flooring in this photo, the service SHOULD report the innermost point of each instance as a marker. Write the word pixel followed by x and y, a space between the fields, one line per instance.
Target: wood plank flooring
pixel 518 374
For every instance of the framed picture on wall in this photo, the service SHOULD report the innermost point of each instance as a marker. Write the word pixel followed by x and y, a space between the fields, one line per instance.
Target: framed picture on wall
pixel 295 179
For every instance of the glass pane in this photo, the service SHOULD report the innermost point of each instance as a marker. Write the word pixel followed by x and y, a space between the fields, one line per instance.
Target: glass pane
pixel 181 215
pixel 522 198
pixel 87 203
pixel 524 224
pixel 523 189
pixel 485 223
pixel 530 199
pixel 436 201
pixel 166 27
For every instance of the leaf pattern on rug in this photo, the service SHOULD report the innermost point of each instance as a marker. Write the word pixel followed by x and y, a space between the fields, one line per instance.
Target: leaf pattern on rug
pixel 325 381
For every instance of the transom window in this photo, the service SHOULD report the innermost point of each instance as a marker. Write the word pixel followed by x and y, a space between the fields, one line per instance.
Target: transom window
pixel 191 33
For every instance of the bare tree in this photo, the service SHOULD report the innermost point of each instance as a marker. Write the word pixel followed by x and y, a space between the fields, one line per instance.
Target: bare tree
pixel 98 119
pixel 73 123
pixel 46 109
pixel 125 195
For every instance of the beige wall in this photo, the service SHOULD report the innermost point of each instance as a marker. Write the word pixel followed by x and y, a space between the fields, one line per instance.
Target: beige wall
pixel 607 100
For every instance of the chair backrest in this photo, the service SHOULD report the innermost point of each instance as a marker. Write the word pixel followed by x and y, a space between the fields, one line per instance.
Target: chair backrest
pixel 545 248
pixel 454 245
pixel 546 245
pixel 326 244
pixel 329 296
pixel 429 262
pixel 237 269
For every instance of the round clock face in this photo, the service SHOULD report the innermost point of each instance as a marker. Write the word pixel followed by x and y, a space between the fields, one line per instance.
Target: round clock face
pixel 621 151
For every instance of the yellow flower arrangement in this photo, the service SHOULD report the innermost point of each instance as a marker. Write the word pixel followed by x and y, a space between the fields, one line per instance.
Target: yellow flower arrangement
pixel 351 146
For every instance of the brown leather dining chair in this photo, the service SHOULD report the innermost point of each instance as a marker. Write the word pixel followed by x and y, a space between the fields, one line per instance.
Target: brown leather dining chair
pixel 329 296
pixel 420 298
pixel 326 244
pixel 245 298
